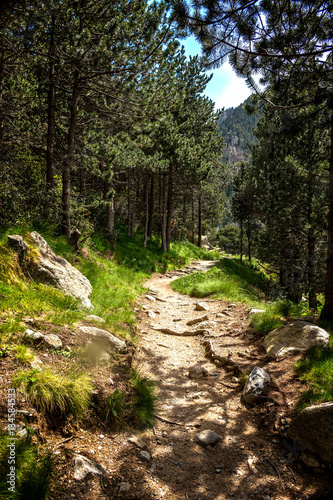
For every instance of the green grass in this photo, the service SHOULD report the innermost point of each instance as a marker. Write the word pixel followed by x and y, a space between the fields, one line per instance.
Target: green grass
pixel 55 394
pixel 130 253
pixel 228 280
pixel 144 405
pixel 276 314
pixel 316 369
pixel 33 470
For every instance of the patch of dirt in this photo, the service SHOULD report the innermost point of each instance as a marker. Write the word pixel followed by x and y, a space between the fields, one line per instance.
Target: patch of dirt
pixel 253 460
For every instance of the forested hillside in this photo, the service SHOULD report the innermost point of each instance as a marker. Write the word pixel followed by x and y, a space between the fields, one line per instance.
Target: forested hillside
pixel 236 126
pixel 102 119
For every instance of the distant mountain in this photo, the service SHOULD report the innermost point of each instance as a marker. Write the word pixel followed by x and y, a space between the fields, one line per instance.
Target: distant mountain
pixel 237 126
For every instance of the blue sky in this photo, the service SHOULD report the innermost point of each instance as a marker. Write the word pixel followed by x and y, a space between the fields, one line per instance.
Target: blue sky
pixel 225 88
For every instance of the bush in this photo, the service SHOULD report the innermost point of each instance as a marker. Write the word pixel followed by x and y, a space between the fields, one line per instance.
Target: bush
pixel 55 394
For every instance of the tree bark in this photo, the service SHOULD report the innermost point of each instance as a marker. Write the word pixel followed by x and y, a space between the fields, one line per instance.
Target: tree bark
pixel 110 208
pixel 169 207
pixel 192 222
pixel 327 311
pixel 129 207
pixel 162 213
pixel 151 207
pixel 146 211
pixel 69 161
pixel 51 112
pixel 199 222
pixel 312 271
pixel 241 240
pixel 2 117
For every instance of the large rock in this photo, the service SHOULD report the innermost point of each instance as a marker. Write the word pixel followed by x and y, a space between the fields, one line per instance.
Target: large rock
pixel 105 338
pixel 255 384
pixel 313 429
pixel 56 271
pixel 294 338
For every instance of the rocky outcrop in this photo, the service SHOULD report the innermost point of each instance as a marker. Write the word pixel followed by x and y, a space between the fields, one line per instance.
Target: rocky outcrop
pixel 255 384
pixel 56 271
pixel 313 429
pixel 294 338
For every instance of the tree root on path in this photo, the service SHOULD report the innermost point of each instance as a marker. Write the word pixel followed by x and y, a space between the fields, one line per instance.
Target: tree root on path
pixel 186 333
pixel 227 362
pixel 167 421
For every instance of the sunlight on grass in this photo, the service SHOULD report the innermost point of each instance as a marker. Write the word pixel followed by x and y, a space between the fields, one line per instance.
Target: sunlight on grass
pixel 53 393
pixel 317 370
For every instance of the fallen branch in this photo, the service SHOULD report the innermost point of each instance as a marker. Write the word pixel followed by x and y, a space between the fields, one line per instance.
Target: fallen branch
pixel 62 442
pixel 162 419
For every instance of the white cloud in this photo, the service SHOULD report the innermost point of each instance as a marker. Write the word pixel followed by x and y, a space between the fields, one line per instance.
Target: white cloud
pixel 226 89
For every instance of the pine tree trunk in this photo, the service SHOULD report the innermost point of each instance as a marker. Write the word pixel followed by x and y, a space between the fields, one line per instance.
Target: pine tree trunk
pixel 163 214
pixel 50 112
pixel 151 207
pixel 2 117
pixel 312 271
pixel 241 240
pixel 169 208
pixel 146 211
pixel 129 207
pixel 199 221
pixel 327 311
pixel 109 207
pixel 69 161
pixel 248 233
pixel 192 222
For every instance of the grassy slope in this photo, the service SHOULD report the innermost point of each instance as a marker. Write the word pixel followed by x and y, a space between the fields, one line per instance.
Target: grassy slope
pixel 117 275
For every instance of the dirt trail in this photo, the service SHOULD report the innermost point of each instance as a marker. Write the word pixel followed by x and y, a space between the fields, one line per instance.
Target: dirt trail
pixel 251 460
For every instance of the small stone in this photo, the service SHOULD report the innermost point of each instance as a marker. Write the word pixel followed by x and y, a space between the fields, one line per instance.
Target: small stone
pixel 197 320
pixel 124 487
pixel 257 311
pixel 84 466
pixel 137 442
pixel 151 314
pixel 53 340
pixel 150 297
pixel 197 371
pixel 145 456
pixel 201 306
pixel 93 317
pixel 33 335
pixel 207 438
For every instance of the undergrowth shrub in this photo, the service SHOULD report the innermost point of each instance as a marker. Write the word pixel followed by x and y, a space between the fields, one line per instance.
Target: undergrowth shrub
pixel 33 470
pixel 144 405
pixel 316 369
pixel 276 314
pixel 55 394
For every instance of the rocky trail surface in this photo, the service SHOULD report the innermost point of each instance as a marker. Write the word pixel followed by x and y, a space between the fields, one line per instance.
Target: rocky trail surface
pixel 207 443
pixel 249 456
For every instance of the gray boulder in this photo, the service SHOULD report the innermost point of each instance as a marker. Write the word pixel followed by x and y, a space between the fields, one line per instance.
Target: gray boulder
pixel 105 338
pixel 313 429
pixel 56 271
pixel 255 384
pixel 294 338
